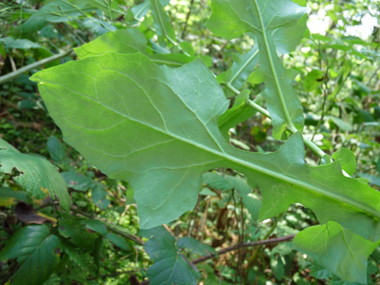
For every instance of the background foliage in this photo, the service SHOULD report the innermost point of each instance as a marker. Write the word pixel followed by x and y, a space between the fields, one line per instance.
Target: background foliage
pixel 97 239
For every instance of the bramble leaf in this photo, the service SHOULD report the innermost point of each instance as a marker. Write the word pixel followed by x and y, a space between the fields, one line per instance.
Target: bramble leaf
pixel 157 128
pixel 36 250
pixel 339 250
pixel 232 18
pixel 36 174
pixel 170 267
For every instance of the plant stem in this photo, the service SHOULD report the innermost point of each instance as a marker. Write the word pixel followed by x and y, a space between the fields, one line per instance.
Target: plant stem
pixel 242 245
pixel 315 149
pixel 17 73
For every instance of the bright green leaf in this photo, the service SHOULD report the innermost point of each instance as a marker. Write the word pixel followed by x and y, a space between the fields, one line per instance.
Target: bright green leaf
pixel 36 174
pixel 313 80
pixel 346 159
pixel 339 250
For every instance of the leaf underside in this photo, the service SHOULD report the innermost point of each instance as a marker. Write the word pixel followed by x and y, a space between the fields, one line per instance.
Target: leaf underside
pixel 157 128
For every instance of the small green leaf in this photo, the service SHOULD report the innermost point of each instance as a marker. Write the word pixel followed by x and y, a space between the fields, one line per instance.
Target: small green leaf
pixel 347 160
pixel 313 80
pixel 9 197
pixel 375 180
pixel 56 150
pixel 37 174
pixel 96 226
pixel 237 114
pixel 140 10
pixel 195 245
pixel 36 250
pixel 339 250
pixel 76 233
pixel 10 42
pixel 162 23
pixel 118 241
pixel 77 181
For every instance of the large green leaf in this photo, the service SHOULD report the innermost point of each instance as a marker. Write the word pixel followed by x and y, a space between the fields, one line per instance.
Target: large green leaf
pixel 36 250
pixel 157 128
pixel 339 250
pixel 169 266
pixel 232 18
pixel 36 174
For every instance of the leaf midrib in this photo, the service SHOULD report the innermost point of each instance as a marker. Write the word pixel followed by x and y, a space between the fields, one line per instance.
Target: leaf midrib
pixel 160 19
pixel 278 87
pixel 243 67
pixel 228 157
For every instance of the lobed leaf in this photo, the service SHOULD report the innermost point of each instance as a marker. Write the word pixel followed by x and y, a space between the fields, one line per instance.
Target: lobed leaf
pixel 232 18
pixel 157 128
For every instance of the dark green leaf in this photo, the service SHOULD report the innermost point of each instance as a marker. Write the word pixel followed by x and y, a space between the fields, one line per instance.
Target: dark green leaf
pixel 118 241
pixel 36 250
pixel 56 150
pixel 195 245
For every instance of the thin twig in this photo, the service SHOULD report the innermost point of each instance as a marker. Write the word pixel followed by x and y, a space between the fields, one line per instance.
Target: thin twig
pixel 242 245
pixel 187 19
pixel 17 73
